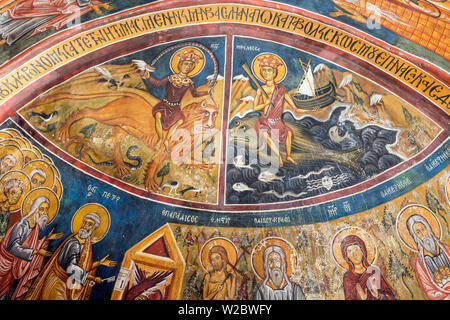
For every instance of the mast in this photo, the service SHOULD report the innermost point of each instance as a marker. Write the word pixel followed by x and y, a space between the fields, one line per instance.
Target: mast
pixel 306 85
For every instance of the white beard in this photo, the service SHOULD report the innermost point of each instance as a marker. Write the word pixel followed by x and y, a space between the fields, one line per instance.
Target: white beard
pixel 276 275
pixel 429 244
pixel 41 221
pixel 84 234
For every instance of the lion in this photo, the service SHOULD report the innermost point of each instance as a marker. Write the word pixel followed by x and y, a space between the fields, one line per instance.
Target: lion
pixel 131 114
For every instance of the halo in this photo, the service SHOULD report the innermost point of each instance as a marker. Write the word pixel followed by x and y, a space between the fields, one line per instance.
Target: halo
pixel 47 158
pixel 219 241
pixel 44 166
pixel 41 192
pixel 28 153
pixel 38 152
pixel 13 141
pixel 99 233
pixel 58 188
pixel 4 135
pixel 15 152
pixel 363 235
pixel 257 256
pixel 21 176
pixel 175 59
pixel 402 229
pixel 56 171
pixel 447 189
pixel 282 69
pixel 13 132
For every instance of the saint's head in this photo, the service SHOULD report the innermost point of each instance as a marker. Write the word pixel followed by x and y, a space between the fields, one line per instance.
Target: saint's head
pixel 7 163
pixel 421 232
pixel 37 177
pixel 13 190
pixel 188 61
pixel 354 252
pixel 90 222
pixel 275 265
pixel 218 258
pixel 268 67
pixel 38 213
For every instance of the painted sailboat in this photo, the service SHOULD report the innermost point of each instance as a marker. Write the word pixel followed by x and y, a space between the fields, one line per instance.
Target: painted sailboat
pixel 306 96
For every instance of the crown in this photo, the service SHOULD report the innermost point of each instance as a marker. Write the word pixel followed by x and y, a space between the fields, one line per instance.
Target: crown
pixel 269 60
pixel 190 55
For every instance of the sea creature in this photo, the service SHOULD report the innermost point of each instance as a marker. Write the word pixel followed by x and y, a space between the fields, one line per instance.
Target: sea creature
pixel 304 146
pixel 239 162
pixel 267 176
pixel 241 187
pixel 286 194
pixel 306 176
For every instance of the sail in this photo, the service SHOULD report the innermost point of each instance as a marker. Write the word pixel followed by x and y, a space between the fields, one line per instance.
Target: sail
pixel 307 85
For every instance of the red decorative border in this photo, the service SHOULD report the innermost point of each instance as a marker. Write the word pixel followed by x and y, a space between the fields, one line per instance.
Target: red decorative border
pixel 332 54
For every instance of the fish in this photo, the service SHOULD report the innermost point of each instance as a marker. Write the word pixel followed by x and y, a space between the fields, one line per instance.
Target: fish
pixel 241 187
pixel 267 176
pixel 239 162
pixel 286 194
pixel 306 176
pixel 190 188
pixel 304 147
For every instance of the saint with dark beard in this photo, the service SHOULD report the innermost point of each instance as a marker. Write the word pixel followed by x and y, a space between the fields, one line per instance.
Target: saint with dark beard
pixel 276 285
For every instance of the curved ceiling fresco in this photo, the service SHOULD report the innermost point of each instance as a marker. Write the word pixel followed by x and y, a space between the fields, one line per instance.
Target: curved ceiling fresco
pixel 166 150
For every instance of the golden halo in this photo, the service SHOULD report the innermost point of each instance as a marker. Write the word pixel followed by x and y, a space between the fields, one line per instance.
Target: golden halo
pixel 25 142
pixel 44 166
pixel 218 241
pixel 56 171
pixel 257 256
pixel 21 176
pixel 47 158
pixel 363 235
pixel 15 152
pixel 14 132
pixel 28 153
pixel 175 59
pixel 38 152
pixel 447 189
pixel 105 220
pixel 282 69
pixel 41 192
pixel 58 188
pixel 15 142
pixel 5 135
pixel 402 229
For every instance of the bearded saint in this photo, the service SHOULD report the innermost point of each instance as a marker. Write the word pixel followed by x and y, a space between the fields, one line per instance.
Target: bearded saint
pixel 22 253
pixel 362 281
pixel 276 285
pixel 219 284
pixel 69 274
pixel 432 264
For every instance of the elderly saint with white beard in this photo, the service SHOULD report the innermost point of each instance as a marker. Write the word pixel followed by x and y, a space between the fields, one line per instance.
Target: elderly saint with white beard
pixel 22 253
pixel 276 285
pixel 432 263
pixel 70 272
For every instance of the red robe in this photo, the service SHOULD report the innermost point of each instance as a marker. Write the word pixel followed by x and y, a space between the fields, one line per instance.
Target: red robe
pixel 63 12
pixel 13 268
pixel 271 122
pixel 170 107
pixel 429 287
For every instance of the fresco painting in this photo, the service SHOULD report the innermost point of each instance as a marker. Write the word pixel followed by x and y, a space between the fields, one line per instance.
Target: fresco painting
pixel 225 151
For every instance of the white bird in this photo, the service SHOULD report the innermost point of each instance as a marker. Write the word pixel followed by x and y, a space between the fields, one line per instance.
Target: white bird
pixel 375 99
pixel 267 176
pixel 104 72
pixel 346 80
pixel 241 187
pixel 143 66
pixel 248 98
